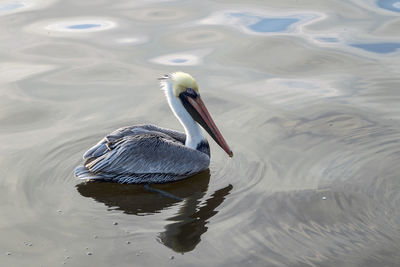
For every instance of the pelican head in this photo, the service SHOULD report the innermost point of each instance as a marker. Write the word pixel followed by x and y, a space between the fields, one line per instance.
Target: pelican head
pixel 184 99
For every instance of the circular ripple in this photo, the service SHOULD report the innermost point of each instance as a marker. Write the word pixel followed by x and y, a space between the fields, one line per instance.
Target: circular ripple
pixel 7 7
pixel 71 26
pixel 392 5
pixel 181 59
pixel 177 59
pixel 132 40
pixel 10 6
pixel 81 26
pixel 198 36
pixel 261 23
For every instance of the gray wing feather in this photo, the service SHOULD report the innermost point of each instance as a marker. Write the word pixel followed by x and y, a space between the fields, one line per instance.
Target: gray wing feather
pixel 101 147
pixel 149 153
pixel 140 154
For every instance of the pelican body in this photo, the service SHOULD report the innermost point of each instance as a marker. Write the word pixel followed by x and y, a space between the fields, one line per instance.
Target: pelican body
pixel 145 154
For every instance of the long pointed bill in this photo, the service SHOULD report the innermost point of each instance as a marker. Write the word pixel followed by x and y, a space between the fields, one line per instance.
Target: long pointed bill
pixel 195 106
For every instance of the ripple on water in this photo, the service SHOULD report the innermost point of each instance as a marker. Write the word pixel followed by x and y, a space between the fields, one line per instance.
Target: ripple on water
pixel 10 6
pixel 72 26
pixel 192 212
pixel 263 24
pixel 7 7
pixel 196 36
pixel 132 40
pixel 392 5
pixel 157 14
pixel 328 39
pixel 15 6
pixel 59 166
pixel 293 93
pixel 81 26
pixel 189 58
pixel 338 149
pixel 257 23
pixel 380 48
pixel 14 71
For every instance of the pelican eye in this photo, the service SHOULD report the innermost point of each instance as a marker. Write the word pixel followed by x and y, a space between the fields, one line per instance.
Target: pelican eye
pixel 190 92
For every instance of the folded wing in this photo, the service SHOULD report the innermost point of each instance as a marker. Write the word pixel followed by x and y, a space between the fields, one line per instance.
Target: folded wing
pixel 136 154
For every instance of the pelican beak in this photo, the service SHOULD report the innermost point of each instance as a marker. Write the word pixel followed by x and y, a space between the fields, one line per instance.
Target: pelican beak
pixel 196 108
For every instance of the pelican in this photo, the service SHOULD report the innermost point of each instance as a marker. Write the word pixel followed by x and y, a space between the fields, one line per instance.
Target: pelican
pixel 148 154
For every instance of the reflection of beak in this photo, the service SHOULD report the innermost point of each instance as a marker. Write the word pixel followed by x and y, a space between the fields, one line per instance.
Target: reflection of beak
pixel 196 108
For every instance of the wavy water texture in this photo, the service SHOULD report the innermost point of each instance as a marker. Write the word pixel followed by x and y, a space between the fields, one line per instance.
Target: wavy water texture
pixel 305 93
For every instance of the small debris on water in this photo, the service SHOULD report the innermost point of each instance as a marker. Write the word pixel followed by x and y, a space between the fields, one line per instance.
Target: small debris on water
pixel 128 242
pixel 115 223
pixel 8 253
pixel 89 253
pixel 95 237
pixel 323 198
pixel 138 253
pixel 172 257
pixel 67 257
pixel 59 211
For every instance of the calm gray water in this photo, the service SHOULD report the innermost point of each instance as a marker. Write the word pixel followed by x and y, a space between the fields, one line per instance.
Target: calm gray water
pixel 305 92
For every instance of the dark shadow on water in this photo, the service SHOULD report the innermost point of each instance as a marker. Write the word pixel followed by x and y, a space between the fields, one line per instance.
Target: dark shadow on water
pixel 186 227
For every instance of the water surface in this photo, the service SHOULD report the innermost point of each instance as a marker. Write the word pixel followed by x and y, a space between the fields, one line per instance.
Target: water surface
pixel 306 94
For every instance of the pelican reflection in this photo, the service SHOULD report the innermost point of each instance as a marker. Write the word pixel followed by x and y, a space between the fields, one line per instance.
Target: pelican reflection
pixel 186 227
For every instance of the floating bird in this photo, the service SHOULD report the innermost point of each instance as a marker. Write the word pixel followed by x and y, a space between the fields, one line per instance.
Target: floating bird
pixel 146 154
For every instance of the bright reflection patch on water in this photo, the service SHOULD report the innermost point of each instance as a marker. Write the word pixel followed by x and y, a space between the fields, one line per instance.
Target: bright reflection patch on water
pixel 392 5
pixel 15 6
pixel 132 40
pixel 7 7
pixel 10 6
pixel 381 48
pixel 252 22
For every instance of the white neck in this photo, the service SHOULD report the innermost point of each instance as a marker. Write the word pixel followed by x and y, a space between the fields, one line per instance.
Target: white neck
pixel 194 135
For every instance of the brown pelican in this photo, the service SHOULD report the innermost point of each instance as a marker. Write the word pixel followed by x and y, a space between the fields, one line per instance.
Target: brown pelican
pixel 151 154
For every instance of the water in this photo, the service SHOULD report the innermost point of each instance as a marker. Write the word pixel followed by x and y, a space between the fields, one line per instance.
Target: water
pixel 392 5
pixel 383 48
pixel 305 93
